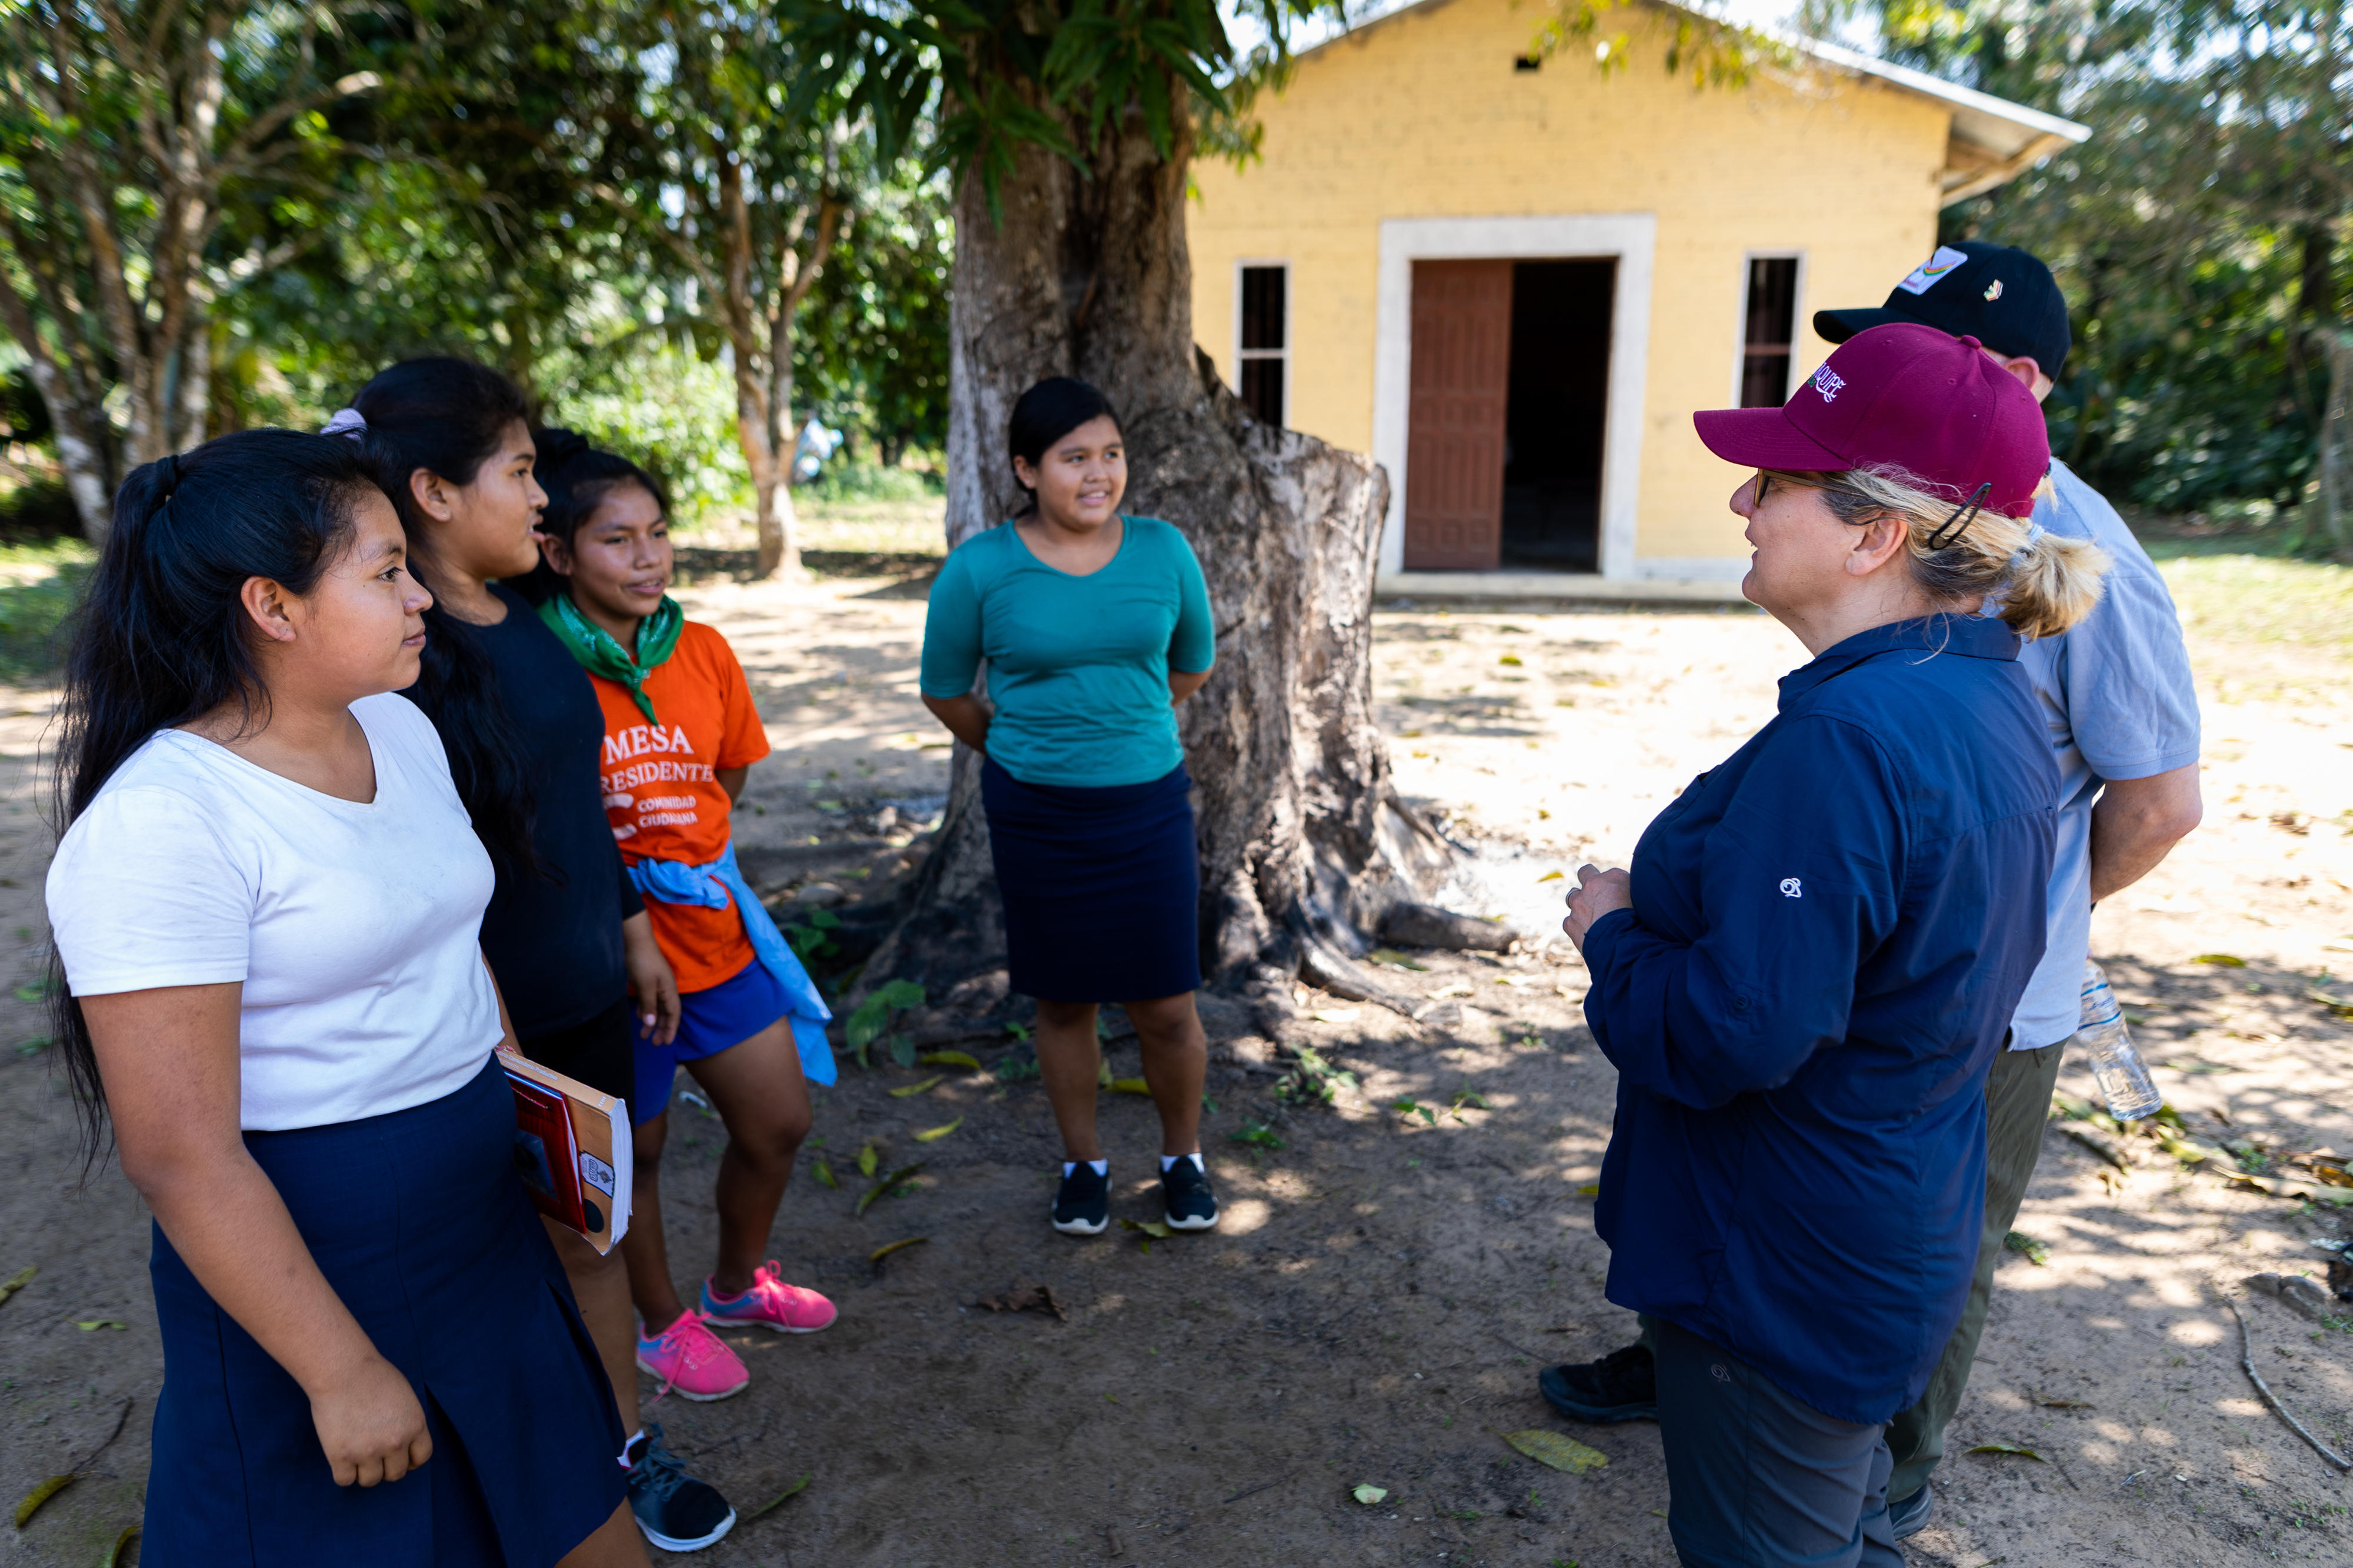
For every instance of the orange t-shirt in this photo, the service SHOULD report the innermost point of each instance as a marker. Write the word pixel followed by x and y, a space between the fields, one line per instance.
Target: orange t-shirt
pixel 662 795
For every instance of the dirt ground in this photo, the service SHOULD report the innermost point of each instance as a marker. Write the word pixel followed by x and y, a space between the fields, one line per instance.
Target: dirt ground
pixel 1386 1282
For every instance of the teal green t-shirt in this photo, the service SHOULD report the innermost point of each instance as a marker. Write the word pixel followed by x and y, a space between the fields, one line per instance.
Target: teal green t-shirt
pixel 1078 667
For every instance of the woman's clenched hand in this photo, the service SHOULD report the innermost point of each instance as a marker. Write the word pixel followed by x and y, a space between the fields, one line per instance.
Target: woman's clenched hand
pixel 1597 893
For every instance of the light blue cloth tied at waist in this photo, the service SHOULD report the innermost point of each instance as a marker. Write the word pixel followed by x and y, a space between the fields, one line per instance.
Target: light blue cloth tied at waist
pixel 713 887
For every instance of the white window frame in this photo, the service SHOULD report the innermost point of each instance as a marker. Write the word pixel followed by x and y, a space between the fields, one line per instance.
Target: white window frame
pixel 1631 238
pixel 1235 381
pixel 1740 317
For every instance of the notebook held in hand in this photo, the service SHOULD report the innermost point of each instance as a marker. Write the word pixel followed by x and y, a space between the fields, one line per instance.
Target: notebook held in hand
pixel 572 1150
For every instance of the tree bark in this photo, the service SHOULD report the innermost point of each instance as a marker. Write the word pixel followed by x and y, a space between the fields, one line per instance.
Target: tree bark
pixel 2336 498
pixel 1302 840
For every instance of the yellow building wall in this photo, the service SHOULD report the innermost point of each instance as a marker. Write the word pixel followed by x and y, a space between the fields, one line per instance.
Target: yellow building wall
pixel 1423 115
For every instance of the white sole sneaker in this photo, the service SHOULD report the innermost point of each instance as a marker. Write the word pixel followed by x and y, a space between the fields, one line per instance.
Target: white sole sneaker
pixel 670 1544
pixel 1082 1227
pixel 655 1372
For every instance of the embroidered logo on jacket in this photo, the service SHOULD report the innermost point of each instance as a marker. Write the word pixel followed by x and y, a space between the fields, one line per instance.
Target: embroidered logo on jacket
pixel 1792 889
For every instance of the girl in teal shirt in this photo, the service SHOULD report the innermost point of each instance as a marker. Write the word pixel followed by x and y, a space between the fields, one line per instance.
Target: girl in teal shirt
pixel 1094 626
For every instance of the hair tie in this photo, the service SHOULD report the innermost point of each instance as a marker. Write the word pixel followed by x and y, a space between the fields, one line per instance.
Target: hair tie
pixel 2018 556
pixel 170 464
pixel 348 422
pixel 1949 533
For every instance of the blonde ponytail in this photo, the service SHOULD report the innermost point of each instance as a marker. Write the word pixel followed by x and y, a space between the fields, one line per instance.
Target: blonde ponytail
pixel 2053 584
pixel 2037 582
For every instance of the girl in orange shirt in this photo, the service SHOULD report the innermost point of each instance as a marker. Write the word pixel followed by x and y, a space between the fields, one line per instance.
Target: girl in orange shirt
pixel 680 733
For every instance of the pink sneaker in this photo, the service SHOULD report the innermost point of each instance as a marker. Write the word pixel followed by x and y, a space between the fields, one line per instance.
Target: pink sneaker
pixel 770 1303
pixel 692 1359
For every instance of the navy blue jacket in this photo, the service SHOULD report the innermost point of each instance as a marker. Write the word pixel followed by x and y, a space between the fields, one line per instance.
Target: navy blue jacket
pixel 1830 933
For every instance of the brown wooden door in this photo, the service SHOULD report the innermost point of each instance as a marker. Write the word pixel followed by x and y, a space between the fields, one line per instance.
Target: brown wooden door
pixel 1454 433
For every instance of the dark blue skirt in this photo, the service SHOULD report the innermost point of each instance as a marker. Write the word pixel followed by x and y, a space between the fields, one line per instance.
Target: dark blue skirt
pixel 1101 887
pixel 417 1220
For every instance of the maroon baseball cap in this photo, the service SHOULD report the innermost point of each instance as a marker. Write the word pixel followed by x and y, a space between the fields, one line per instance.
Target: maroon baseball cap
pixel 1904 397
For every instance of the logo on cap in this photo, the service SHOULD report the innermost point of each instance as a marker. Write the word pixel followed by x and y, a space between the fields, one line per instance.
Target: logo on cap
pixel 1830 383
pixel 1993 290
pixel 1922 277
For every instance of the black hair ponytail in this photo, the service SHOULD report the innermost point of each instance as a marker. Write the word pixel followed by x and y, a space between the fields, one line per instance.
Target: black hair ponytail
pixel 162 638
pixel 447 417
pixel 577 478
pixel 1045 413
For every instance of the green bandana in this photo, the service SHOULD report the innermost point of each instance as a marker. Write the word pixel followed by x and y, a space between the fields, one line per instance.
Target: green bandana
pixel 598 654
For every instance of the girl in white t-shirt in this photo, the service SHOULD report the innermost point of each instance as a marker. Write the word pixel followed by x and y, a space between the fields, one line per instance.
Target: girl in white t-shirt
pixel 265 905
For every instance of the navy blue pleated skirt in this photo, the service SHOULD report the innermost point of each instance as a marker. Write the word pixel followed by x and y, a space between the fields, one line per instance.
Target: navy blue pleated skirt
pixel 417 1220
pixel 1101 887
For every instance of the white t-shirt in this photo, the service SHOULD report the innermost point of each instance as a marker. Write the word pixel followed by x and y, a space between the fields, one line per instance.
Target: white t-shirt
pixel 355 928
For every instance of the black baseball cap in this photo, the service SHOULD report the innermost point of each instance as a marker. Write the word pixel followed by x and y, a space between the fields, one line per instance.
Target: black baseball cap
pixel 1998 294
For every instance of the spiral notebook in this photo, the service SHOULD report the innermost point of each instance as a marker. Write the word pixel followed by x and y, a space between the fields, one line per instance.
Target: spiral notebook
pixel 572 1150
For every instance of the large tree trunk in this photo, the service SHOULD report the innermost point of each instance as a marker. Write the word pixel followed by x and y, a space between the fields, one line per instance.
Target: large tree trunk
pixel 1302 840
pixel 2335 502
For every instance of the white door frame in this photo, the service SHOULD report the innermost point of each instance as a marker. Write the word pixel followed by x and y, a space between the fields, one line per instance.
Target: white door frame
pixel 1630 237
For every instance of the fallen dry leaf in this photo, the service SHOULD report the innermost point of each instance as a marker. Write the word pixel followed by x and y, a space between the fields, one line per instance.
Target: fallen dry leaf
pixel 2010 1448
pixel 40 1495
pixel 781 1497
pixel 910 1090
pixel 886 1185
pixel 1561 1453
pixel 1026 1299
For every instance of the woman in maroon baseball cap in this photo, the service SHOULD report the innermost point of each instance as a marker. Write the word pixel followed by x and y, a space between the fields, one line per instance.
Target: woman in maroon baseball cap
pixel 1805 978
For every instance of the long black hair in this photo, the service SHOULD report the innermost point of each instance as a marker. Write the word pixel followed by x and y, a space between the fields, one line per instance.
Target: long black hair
pixel 163 636
pixel 576 477
pixel 447 417
pixel 1045 413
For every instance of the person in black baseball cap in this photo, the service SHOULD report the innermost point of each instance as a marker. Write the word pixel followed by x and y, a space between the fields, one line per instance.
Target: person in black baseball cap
pixel 1998 294
pixel 2123 728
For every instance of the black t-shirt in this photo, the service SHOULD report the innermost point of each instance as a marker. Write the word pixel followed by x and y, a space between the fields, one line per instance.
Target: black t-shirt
pixel 554 941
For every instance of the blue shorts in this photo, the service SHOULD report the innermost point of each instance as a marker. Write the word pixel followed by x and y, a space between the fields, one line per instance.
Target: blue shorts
pixel 709 1021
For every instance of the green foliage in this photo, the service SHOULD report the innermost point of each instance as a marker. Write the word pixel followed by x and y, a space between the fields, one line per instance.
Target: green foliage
pixel 813 938
pixel 665 408
pixel 874 354
pixel 872 1016
pixel 1312 1081
pixel 2199 233
pixel 992 77
pixel 40 585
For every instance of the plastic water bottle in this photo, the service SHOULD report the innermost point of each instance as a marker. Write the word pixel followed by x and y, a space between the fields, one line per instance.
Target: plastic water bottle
pixel 2123 1078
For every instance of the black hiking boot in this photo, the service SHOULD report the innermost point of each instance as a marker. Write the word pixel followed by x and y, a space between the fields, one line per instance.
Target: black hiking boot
pixel 1621 1386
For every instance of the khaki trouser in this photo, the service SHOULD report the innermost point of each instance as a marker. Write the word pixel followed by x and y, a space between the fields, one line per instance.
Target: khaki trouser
pixel 2017 1104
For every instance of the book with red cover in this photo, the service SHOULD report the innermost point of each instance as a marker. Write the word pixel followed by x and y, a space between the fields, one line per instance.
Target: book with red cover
pixel 572 1150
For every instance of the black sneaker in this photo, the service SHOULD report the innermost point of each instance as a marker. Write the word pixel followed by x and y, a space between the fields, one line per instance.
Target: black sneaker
pixel 1083 1206
pixel 1621 1386
pixel 676 1512
pixel 1184 1189
pixel 1910 1517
